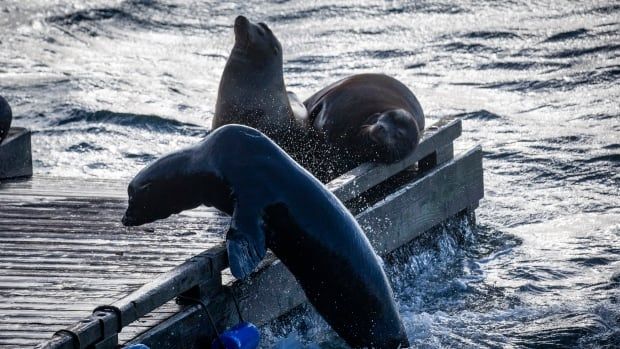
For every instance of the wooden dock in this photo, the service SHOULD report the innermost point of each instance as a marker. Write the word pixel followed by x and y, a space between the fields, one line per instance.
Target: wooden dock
pixel 65 252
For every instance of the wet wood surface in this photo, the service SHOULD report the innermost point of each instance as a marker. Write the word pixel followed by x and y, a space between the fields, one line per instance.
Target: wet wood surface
pixel 63 251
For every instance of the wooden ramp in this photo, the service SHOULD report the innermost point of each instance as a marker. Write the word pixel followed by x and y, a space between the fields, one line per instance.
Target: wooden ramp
pixel 101 261
pixel 63 252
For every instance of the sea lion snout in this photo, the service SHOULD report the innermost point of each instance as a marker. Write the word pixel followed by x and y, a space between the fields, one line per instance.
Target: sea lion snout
pixel 241 22
pixel 131 218
pixel 128 221
pixel 242 25
pixel 379 133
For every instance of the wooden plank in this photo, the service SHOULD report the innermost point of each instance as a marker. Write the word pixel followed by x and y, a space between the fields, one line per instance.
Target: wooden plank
pixel 46 189
pixel 419 206
pixel 364 177
pixel 194 271
pixel 63 251
pixel 273 290
pixel 16 154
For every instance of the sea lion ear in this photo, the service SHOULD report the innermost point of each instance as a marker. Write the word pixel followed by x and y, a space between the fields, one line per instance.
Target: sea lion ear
pixel 245 242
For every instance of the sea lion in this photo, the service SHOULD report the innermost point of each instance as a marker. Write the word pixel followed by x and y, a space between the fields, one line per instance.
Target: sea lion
pixel 252 90
pixel 6 116
pixel 277 204
pixel 367 117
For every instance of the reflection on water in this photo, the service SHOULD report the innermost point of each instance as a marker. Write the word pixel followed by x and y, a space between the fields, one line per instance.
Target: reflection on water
pixel 107 86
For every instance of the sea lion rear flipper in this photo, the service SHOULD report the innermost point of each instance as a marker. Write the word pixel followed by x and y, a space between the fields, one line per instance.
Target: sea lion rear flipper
pixel 245 242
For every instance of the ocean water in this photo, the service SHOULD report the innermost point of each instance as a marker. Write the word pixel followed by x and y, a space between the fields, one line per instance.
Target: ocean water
pixel 108 86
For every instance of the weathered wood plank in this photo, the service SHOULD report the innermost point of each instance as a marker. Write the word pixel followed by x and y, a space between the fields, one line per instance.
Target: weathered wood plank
pixel 62 252
pixel 16 154
pixel 365 176
pixel 425 203
pixel 167 286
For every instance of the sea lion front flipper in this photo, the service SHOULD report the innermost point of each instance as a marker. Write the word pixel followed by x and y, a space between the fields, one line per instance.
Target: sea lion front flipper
pixel 299 109
pixel 245 242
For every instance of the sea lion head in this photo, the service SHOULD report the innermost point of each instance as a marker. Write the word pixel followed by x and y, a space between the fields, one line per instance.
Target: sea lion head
pixel 163 188
pixel 256 41
pixel 393 134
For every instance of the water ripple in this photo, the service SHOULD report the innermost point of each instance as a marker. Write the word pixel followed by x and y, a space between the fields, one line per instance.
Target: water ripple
pixel 568 35
pixel 147 122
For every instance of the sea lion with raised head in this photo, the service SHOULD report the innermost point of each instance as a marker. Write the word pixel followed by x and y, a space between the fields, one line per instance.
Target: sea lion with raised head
pixel 366 117
pixel 276 204
pixel 252 90
pixel 6 116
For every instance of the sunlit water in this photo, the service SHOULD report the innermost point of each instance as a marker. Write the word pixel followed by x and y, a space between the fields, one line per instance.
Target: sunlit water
pixel 108 86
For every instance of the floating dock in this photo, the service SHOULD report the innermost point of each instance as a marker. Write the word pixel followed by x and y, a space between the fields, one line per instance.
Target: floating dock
pixel 65 254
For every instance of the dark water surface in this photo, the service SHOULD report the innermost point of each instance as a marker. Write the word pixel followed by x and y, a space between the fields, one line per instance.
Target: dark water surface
pixel 107 86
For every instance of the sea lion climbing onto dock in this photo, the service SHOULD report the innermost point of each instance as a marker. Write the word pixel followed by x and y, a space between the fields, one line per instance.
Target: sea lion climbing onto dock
pixel 6 116
pixel 366 117
pixel 277 204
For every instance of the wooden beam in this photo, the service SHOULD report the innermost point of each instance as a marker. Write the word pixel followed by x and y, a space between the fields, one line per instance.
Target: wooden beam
pixel 418 206
pixel 171 284
pixel 16 154
pixel 193 272
pixel 365 176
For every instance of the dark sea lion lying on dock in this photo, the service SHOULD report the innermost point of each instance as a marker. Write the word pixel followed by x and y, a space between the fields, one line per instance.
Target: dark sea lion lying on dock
pixel 367 117
pixel 252 90
pixel 6 116
pixel 277 204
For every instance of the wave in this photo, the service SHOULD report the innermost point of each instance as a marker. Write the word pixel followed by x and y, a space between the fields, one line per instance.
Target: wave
pixel 143 14
pixel 469 48
pixel 141 157
pixel 84 147
pixel 601 75
pixel 326 11
pixel 488 35
pixel 522 65
pixel 360 31
pixel 479 115
pixel 383 54
pixel 151 123
pixel 612 146
pixel 572 53
pixel 569 35
pixel 611 158
pixel 599 116
pixel 605 9
pixel 430 7
pixel 557 330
